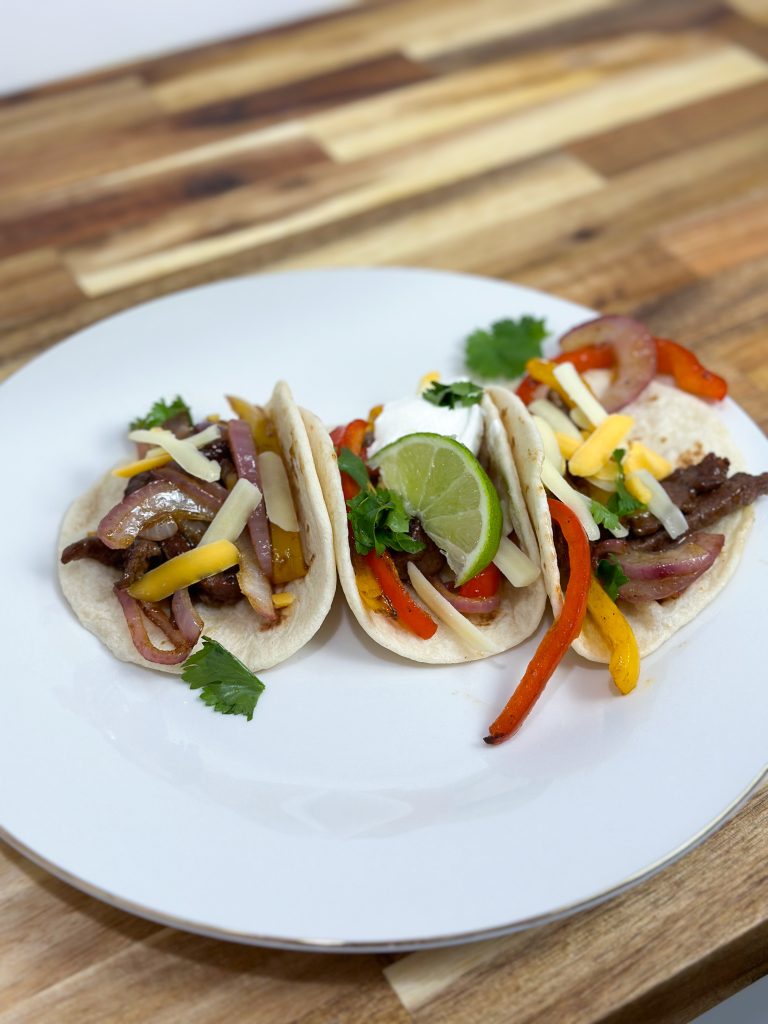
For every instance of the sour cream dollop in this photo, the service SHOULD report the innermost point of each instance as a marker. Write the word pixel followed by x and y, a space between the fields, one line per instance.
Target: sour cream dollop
pixel 414 415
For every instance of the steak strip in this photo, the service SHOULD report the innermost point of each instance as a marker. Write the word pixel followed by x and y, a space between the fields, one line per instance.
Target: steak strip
pixel 683 487
pixel 431 561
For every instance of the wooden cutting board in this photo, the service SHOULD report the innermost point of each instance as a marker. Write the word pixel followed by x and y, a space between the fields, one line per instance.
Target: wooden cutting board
pixel 615 153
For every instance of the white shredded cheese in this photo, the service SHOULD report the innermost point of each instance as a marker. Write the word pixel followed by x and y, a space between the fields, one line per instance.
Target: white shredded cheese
pixel 576 502
pixel 549 441
pixel 181 451
pixel 555 417
pixel 515 564
pixel 277 492
pixel 662 506
pixel 568 377
pixel 444 610
pixel 229 522
pixel 200 440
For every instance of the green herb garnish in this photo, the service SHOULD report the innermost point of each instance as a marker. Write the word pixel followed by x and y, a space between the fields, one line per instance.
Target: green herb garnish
pixel 354 466
pixel 504 350
pixel 611 575
pixel 604 516
pixel 225 683
pixel 462 392
pixel 160 412
pixel 622 503
pixel 379 521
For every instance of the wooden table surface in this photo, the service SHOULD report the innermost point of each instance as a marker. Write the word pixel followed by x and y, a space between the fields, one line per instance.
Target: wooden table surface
pixel 615 153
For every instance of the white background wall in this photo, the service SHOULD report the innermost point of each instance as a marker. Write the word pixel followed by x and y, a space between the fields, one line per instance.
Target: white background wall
pixel 41 40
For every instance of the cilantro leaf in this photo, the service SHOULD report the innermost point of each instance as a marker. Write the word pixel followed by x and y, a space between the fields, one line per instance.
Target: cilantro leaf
pixel 226 684
pixel 621 502
pixel 354 466
pixel 604 516
pixel 611 575
pixel 462 392
pixel 506 348
pixel 379 521
pixel 160 412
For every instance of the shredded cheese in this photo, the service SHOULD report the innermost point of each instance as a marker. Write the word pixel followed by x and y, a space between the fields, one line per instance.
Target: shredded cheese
pixel 661 505
pixel 596 451
pixel 229 522
pixel 448 615
pixel 549 441
pixel 182 451
pixel 283 600
pixel 556 418
pixel 515 564
pixel 184 570
pixel 641 457
pixel 199 440
pixel 567 444
pixel 277 492
pixel 568 377
pixel 427 379
pixel 575 501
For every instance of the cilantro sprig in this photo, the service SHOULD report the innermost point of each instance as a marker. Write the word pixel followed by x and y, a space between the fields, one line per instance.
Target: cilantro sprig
pixel 611 575
pixel 621 502
pixel 354 466
pixel 160 412
pixel 504 350
pixel 225 683
pixel 604 516
pixel 379 521
pixel 461 392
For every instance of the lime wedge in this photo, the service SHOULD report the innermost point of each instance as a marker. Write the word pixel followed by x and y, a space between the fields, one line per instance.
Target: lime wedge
pixel 442 484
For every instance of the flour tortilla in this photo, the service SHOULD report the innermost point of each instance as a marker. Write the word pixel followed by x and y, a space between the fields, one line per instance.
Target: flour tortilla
pixel 683 429
pixel 87 584
pixel 521 608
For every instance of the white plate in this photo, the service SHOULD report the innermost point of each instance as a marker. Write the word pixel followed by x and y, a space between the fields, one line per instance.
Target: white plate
pixel 360 808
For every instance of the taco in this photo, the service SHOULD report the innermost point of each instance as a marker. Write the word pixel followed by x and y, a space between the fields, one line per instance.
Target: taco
pixel 219 528
pixel 408 580
pixel 657 481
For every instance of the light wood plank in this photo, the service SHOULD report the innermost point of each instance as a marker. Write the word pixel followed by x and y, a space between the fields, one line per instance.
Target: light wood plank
pixel 720 238
pixel 688 70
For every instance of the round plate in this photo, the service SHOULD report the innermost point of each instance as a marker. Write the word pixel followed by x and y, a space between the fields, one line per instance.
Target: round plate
pixel 360 808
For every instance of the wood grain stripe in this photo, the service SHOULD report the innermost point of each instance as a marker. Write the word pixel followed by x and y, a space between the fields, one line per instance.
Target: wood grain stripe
pixel 425 27
pixel 691 73
pixel 446 986
pixel 721 238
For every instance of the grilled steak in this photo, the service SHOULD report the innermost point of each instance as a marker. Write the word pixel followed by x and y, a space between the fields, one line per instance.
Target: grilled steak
pixel 430 559
pixel 684 486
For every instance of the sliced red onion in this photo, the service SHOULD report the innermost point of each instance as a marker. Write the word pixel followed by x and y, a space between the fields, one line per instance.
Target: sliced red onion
pixel 634 352
pixel 161 530
pixel 186 617
pixel 158 500
pixel 244 456
pixel 159 656
pixel 253 583
pixel 199 489
pixel 639 591
pixel 467 605
pixel 695 554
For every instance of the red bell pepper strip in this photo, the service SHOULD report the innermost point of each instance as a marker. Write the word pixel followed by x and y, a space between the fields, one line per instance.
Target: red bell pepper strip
pixel 590 357
pixel 560 634
pixel 410 614
pixel 682 364
pixel 485 584
pixel 352 437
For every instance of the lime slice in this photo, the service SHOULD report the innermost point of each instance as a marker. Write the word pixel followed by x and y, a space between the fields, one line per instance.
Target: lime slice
pixel 442 484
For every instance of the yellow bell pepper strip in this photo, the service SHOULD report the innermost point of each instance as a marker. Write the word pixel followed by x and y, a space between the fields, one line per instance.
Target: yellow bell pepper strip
pixel 287 555
pixel 184 570
pixel 368 586
pixel 624 665
pixel 560 634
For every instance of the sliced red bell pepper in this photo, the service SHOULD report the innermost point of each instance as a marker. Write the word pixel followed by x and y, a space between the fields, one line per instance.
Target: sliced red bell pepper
pixel 485 584
pixel 560 634
pixel 591 357
pixel 410 614
pixel 352 437
pixel 689 374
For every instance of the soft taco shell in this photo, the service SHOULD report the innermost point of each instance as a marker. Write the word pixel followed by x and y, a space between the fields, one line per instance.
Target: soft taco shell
pixel 87 585
pixel 681 428
pixel 521 609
